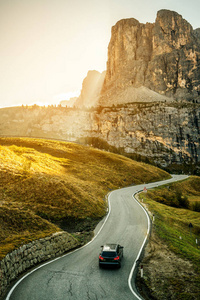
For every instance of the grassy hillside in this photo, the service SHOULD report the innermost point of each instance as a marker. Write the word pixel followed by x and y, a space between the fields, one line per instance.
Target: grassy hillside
pixel 184 194
pixel 48 185
pixel 173 222
pixel 171 225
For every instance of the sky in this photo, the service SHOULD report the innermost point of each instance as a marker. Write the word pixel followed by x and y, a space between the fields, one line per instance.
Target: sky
pixel 48 46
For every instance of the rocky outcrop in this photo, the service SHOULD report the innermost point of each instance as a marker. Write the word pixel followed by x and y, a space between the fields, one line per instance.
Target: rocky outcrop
pixel 91 89
pixel 90 92
pixel 165 133
pixel 149 103
pixel 45 122
pixel 163 57
pixel 29 255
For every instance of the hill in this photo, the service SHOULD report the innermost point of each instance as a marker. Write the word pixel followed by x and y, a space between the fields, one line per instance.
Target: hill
pixel 171 260
pixel 47 185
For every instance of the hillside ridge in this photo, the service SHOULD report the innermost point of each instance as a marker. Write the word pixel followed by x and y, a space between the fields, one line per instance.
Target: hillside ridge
pixel 48 186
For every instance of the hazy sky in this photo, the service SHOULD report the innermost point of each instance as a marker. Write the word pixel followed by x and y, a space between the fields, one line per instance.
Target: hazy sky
pixel 48 46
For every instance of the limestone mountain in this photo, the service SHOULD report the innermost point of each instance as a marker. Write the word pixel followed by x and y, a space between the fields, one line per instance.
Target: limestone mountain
pixel 147 103
pixel 91 89
pixel 90 92
pixel 163 57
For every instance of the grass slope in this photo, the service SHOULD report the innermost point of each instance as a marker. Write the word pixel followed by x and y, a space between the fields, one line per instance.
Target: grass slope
pixel 47 185
pixel 171 225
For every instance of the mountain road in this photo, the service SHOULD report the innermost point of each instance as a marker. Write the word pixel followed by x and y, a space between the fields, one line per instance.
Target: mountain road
pixel 77 275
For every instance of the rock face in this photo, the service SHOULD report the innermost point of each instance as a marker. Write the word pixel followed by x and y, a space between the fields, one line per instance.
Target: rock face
pixel 149 103
pixel 90 92
pixel 91 89
pixel 163 57
pixel 164 133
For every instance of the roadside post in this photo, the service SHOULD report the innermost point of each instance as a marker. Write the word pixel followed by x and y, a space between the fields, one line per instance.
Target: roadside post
pixel 190 226
pixel 141 271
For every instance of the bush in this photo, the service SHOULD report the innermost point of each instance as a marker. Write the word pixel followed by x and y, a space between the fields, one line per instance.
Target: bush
pixel 182 200
pixel 170 198
pixel 196 206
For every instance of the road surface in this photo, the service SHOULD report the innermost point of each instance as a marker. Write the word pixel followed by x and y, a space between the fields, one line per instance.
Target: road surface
pixel 77 275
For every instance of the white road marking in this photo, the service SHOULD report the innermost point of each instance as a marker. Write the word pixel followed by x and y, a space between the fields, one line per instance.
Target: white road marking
pixel 150 185
pixel 109 211
pixel 139 253
pixel 49 262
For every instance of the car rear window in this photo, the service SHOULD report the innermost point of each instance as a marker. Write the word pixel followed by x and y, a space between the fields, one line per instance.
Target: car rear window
pixel 109 254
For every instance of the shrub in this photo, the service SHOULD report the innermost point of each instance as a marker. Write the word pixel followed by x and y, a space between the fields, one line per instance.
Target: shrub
pixel 170 197
pixel 196 206
pixel 182 200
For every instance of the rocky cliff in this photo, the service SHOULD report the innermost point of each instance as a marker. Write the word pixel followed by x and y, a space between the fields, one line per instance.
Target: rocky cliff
pixel 91 89
pixel 163 57
pixel 149 104
pixel 164 133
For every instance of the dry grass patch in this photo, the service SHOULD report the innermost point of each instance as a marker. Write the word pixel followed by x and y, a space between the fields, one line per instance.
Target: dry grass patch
pixel 19 226
pixel 60 183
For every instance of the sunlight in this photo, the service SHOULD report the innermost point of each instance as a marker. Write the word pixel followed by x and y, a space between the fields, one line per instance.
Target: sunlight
pixel 67 96
pixel 54 101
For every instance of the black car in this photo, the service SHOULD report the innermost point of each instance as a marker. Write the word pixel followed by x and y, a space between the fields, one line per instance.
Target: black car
pixel 111 254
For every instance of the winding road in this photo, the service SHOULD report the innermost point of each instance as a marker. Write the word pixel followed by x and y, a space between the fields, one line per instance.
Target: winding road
pixel 77 275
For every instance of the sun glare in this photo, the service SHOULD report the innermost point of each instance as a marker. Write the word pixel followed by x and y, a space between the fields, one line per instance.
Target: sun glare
pixel 56 99
pixel 67 96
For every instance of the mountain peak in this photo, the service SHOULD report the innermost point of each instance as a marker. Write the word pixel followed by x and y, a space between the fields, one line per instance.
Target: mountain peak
pixel 162 56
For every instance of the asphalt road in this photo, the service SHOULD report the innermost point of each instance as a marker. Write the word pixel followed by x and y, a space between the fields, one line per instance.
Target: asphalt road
pixel 77 275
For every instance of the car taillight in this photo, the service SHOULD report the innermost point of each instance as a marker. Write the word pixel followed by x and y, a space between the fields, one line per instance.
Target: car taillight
pixel 100 257
pixel 116 258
